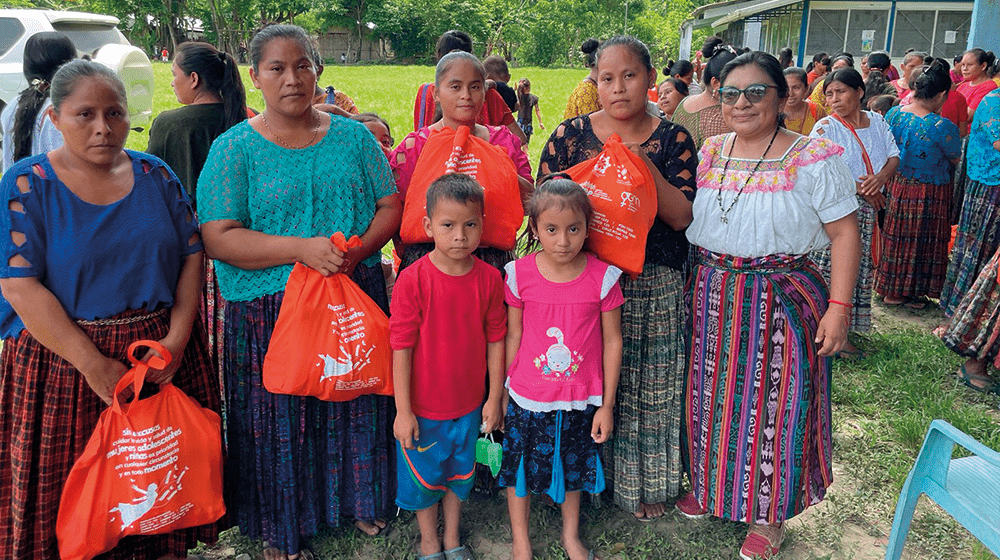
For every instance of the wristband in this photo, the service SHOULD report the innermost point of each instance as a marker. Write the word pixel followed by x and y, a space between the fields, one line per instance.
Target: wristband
pixel 847 305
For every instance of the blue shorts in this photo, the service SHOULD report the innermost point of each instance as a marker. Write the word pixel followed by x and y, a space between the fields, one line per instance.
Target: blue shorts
pixel 444 459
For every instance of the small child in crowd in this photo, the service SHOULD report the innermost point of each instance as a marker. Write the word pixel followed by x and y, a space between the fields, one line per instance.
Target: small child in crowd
pixel 379 128
pixel 882 103
pixel 447 331
pixel 564 351
pixel 496 70
pixel 526 101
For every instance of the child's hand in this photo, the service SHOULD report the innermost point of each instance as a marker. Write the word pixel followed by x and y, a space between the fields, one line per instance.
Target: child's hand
pixel 504 401
pixel 406 430
pixel 492 415
pixel 604 422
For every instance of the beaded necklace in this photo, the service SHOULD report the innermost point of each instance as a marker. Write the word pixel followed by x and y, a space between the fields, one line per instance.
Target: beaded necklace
pixel 718 195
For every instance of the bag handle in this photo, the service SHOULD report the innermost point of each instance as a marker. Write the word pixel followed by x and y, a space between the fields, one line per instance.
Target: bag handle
pixel 864 152
pixel 137 375
pixel 341 242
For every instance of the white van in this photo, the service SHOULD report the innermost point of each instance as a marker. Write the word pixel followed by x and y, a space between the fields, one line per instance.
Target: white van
pixel 92 34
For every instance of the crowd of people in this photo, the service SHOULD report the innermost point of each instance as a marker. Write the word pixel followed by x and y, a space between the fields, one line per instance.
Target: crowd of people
pixel 786 198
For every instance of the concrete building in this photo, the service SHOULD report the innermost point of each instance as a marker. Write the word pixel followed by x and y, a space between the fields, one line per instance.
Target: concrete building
pixel 943 28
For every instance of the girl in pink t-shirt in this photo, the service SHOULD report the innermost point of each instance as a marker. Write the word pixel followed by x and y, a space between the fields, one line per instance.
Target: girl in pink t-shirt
pixel 564 350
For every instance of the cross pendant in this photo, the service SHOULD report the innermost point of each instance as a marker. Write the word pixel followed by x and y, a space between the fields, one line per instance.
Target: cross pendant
pixel 724 219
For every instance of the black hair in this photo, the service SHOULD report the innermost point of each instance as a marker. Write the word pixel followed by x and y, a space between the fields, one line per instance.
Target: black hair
pixel 44 53
pixel 557 190
pixel 368 116
pixel 766 62
pixel 818 58
pixel 453 40
pixel 589 50
pixel 678 84
pixel 983 57
pixel 847 57
pixel 708 48
pixel 457 187
pixel 680 68
pixel 65 80
pixel 879 60
pixel 958 59
pixel 799 73
pixel 874 86
pixel 882 103
pixel 933 80
pixel 451 58
pixel 785 57
pixel 219 74
pixel 722 56
pixel 281 31
pixel 496 66
pixel 637 47
pixel 522 96
pixel 847 76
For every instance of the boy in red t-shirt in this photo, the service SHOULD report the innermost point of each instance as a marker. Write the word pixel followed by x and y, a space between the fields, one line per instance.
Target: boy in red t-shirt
pixel 447 329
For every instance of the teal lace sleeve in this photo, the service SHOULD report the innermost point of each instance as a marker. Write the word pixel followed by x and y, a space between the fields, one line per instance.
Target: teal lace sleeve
pixel 223 185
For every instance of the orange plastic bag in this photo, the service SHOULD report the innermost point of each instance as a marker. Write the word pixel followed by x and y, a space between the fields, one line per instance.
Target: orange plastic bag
pixel 451 151
pixel 623 194
pixel 331 341
pixel 151 466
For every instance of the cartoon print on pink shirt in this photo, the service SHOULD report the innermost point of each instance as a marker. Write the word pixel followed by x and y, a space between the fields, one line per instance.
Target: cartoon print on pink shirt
pixel 558 360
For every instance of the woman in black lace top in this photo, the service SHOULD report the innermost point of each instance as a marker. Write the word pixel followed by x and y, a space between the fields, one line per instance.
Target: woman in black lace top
pixel 644 457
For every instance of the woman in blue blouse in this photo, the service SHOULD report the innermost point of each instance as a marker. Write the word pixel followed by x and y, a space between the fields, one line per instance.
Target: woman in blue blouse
pixel 100 248
pixel 917 229
pixel 978 233
pixel 273 191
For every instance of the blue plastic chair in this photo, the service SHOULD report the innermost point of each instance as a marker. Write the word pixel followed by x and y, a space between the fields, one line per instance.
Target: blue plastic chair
pixel 967 488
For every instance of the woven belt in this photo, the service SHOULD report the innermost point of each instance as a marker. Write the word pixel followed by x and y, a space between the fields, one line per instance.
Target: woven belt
pixel 123 320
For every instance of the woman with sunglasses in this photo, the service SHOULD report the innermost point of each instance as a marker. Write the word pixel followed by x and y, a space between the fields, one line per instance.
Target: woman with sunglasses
pixel 871 153
pixel 766 198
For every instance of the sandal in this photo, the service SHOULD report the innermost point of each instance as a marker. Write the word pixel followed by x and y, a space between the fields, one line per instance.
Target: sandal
pixel 374 525
pixel 916 303
pixel 459 553
pixel 886 302
pixel 967 378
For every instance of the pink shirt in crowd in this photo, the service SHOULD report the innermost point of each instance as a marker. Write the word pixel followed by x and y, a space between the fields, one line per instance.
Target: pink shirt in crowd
pixel 559 365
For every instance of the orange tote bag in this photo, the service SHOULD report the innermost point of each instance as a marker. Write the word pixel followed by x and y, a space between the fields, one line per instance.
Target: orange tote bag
pixel 451 151
pixel 152 466
pixel 623 193
pixel 331 341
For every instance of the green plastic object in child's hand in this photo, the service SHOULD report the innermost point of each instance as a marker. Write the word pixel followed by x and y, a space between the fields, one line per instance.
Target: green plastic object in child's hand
pixel 489 453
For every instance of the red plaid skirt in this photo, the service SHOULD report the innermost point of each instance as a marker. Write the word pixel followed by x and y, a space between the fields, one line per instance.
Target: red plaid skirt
pixel 47 415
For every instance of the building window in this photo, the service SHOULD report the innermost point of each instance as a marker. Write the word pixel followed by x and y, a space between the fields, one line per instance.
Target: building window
pixel 875 23
pixel 826 31
pixel 914 30
pixel 959 23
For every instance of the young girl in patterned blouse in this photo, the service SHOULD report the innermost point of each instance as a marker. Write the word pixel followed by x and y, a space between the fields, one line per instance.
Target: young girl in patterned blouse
pixel 564 350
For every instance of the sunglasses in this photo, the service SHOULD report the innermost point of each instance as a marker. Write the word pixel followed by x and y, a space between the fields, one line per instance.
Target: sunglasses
pixel 755 93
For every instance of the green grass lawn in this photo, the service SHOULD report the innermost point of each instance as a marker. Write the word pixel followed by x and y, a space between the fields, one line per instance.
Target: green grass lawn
pixel 390 91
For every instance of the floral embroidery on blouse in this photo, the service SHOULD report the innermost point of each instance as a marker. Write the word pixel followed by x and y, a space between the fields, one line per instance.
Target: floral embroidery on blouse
pixel 773 175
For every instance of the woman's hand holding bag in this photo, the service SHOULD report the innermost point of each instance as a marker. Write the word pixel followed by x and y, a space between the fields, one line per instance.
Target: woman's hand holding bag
pixel 331 341
pixel 152 466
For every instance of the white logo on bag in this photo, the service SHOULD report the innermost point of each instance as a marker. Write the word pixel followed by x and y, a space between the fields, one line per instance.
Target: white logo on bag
pixel 349 326
pixel 631 201
pixel 602 165
pixel 151 496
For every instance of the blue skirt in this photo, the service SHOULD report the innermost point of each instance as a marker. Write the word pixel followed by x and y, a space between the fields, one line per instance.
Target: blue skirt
pixel 297 463
pixel 550 452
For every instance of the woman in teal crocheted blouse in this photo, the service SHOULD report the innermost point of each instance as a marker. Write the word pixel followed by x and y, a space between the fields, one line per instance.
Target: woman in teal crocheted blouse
pixel 273 191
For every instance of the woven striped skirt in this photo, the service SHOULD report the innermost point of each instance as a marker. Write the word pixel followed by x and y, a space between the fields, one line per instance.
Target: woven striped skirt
pixel 298 463
pixel 861 314
pixel 975 242
pixel 914 240
pixel 47 415
pixel 974 329
pixel 643 460
pixel 758 393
